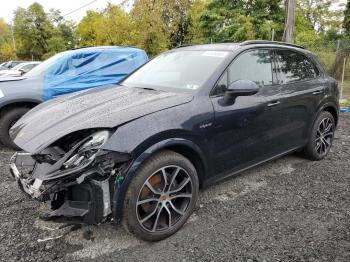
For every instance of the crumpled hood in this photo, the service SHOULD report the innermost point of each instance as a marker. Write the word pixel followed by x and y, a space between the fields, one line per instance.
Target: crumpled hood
pixel 106 107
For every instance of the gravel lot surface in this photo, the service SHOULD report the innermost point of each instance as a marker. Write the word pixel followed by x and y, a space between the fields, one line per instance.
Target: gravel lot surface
pixel 290 209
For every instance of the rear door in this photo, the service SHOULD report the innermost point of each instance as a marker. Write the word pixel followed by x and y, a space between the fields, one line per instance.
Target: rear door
pixel 301 90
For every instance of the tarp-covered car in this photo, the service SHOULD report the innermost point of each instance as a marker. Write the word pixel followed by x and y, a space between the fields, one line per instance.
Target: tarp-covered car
pixel 64 73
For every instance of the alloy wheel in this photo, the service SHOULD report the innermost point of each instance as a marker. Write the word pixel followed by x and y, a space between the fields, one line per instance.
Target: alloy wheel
pixel 164 198
pixel 324 136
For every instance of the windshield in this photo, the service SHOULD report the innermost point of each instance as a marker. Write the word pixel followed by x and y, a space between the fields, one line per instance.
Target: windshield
pixel 180 69
pixel 42 67
pixel 17 67
pixel 20 66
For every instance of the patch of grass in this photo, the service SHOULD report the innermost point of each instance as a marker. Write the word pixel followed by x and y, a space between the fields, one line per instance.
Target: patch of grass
pixel 327 57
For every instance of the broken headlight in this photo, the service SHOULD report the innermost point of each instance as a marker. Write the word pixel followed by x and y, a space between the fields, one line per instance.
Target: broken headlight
pixel 86 153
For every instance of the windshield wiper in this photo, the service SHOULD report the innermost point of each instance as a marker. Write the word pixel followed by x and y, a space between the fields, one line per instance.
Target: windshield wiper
pixel 146 88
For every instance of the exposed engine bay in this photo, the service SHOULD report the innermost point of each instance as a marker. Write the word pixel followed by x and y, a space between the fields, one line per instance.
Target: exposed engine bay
pixel 76 176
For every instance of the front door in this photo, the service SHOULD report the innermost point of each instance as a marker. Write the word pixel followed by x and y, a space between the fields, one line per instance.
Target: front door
pixel 244 130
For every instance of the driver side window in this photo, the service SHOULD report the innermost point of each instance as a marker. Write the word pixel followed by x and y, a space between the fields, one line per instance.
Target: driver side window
pixel 253 65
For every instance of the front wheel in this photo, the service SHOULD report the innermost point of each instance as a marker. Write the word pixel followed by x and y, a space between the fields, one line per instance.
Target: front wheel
pixel 7 120
pixel 321 137
pixel 161 196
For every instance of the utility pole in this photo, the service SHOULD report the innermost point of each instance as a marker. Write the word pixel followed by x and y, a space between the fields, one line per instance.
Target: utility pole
pixel 338 46
pixel 288 35
pixel 342 79
pixel 13 38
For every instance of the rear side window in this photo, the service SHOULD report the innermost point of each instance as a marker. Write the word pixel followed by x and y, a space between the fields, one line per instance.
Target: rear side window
pixel 294 67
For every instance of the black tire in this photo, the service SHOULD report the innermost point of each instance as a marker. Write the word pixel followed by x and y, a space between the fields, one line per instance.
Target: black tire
pixel 7 120
pixel 163 159
pixel 313 148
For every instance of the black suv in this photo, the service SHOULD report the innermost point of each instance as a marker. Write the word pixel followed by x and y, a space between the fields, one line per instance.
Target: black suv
pixel 139 152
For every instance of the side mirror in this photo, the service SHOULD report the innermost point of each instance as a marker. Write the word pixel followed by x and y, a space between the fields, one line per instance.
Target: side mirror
pixel 240 88
pixel 22 71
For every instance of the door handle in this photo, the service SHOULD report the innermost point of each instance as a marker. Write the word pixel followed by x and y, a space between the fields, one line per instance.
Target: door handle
pixel 274 103
pixel 317 92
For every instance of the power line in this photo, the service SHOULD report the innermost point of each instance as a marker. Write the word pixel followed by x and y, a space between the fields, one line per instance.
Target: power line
pixel 71 12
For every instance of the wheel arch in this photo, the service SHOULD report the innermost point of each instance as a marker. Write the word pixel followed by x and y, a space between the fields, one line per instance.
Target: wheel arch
pixel 181 146
pixel 193 156
pixel 29 103
pixel 330 107
pixel 333 110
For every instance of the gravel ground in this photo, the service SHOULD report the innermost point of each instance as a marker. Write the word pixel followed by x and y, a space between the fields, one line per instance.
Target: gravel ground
pixel 290 209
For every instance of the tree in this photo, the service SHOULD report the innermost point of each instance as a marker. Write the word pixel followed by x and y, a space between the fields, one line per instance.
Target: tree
pixel 151 30
pixel 4 29
pixel 320 14
pixel 227 20
pixel 161 24
pixel 87 29
pixel 119 27
pixel 344 53
pixel 176 20
pixel 195 33
pixel 63 32
pixel 346 22
pixel 7 52
pixel 32 30
pixel 6 45
pixel 304 31
pixel 153 25
pixel 112 26
pixel 39 34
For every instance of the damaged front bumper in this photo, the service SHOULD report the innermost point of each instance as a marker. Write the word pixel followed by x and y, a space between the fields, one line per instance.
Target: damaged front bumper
pixel 31 189
pixel 81 194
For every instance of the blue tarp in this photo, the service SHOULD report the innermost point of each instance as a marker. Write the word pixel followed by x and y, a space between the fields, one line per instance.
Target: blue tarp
pixel 85 68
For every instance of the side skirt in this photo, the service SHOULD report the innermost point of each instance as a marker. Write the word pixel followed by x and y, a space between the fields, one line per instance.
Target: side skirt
pixel 219 178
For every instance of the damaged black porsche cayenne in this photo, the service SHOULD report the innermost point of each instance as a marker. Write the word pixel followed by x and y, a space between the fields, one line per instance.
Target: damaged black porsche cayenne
pixel 140 151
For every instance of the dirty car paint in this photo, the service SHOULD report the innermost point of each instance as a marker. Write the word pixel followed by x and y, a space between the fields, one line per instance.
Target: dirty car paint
pixel 106 108
pixel 140 122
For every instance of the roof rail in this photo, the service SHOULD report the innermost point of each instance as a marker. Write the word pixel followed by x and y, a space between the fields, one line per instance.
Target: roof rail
pixel 261 42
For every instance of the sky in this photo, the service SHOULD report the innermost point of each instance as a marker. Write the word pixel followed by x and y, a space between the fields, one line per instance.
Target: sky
pixel 7 7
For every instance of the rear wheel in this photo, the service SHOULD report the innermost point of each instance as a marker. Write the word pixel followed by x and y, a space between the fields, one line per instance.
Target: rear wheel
pixel 161 196
pixel 321 137
pixel 7 120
